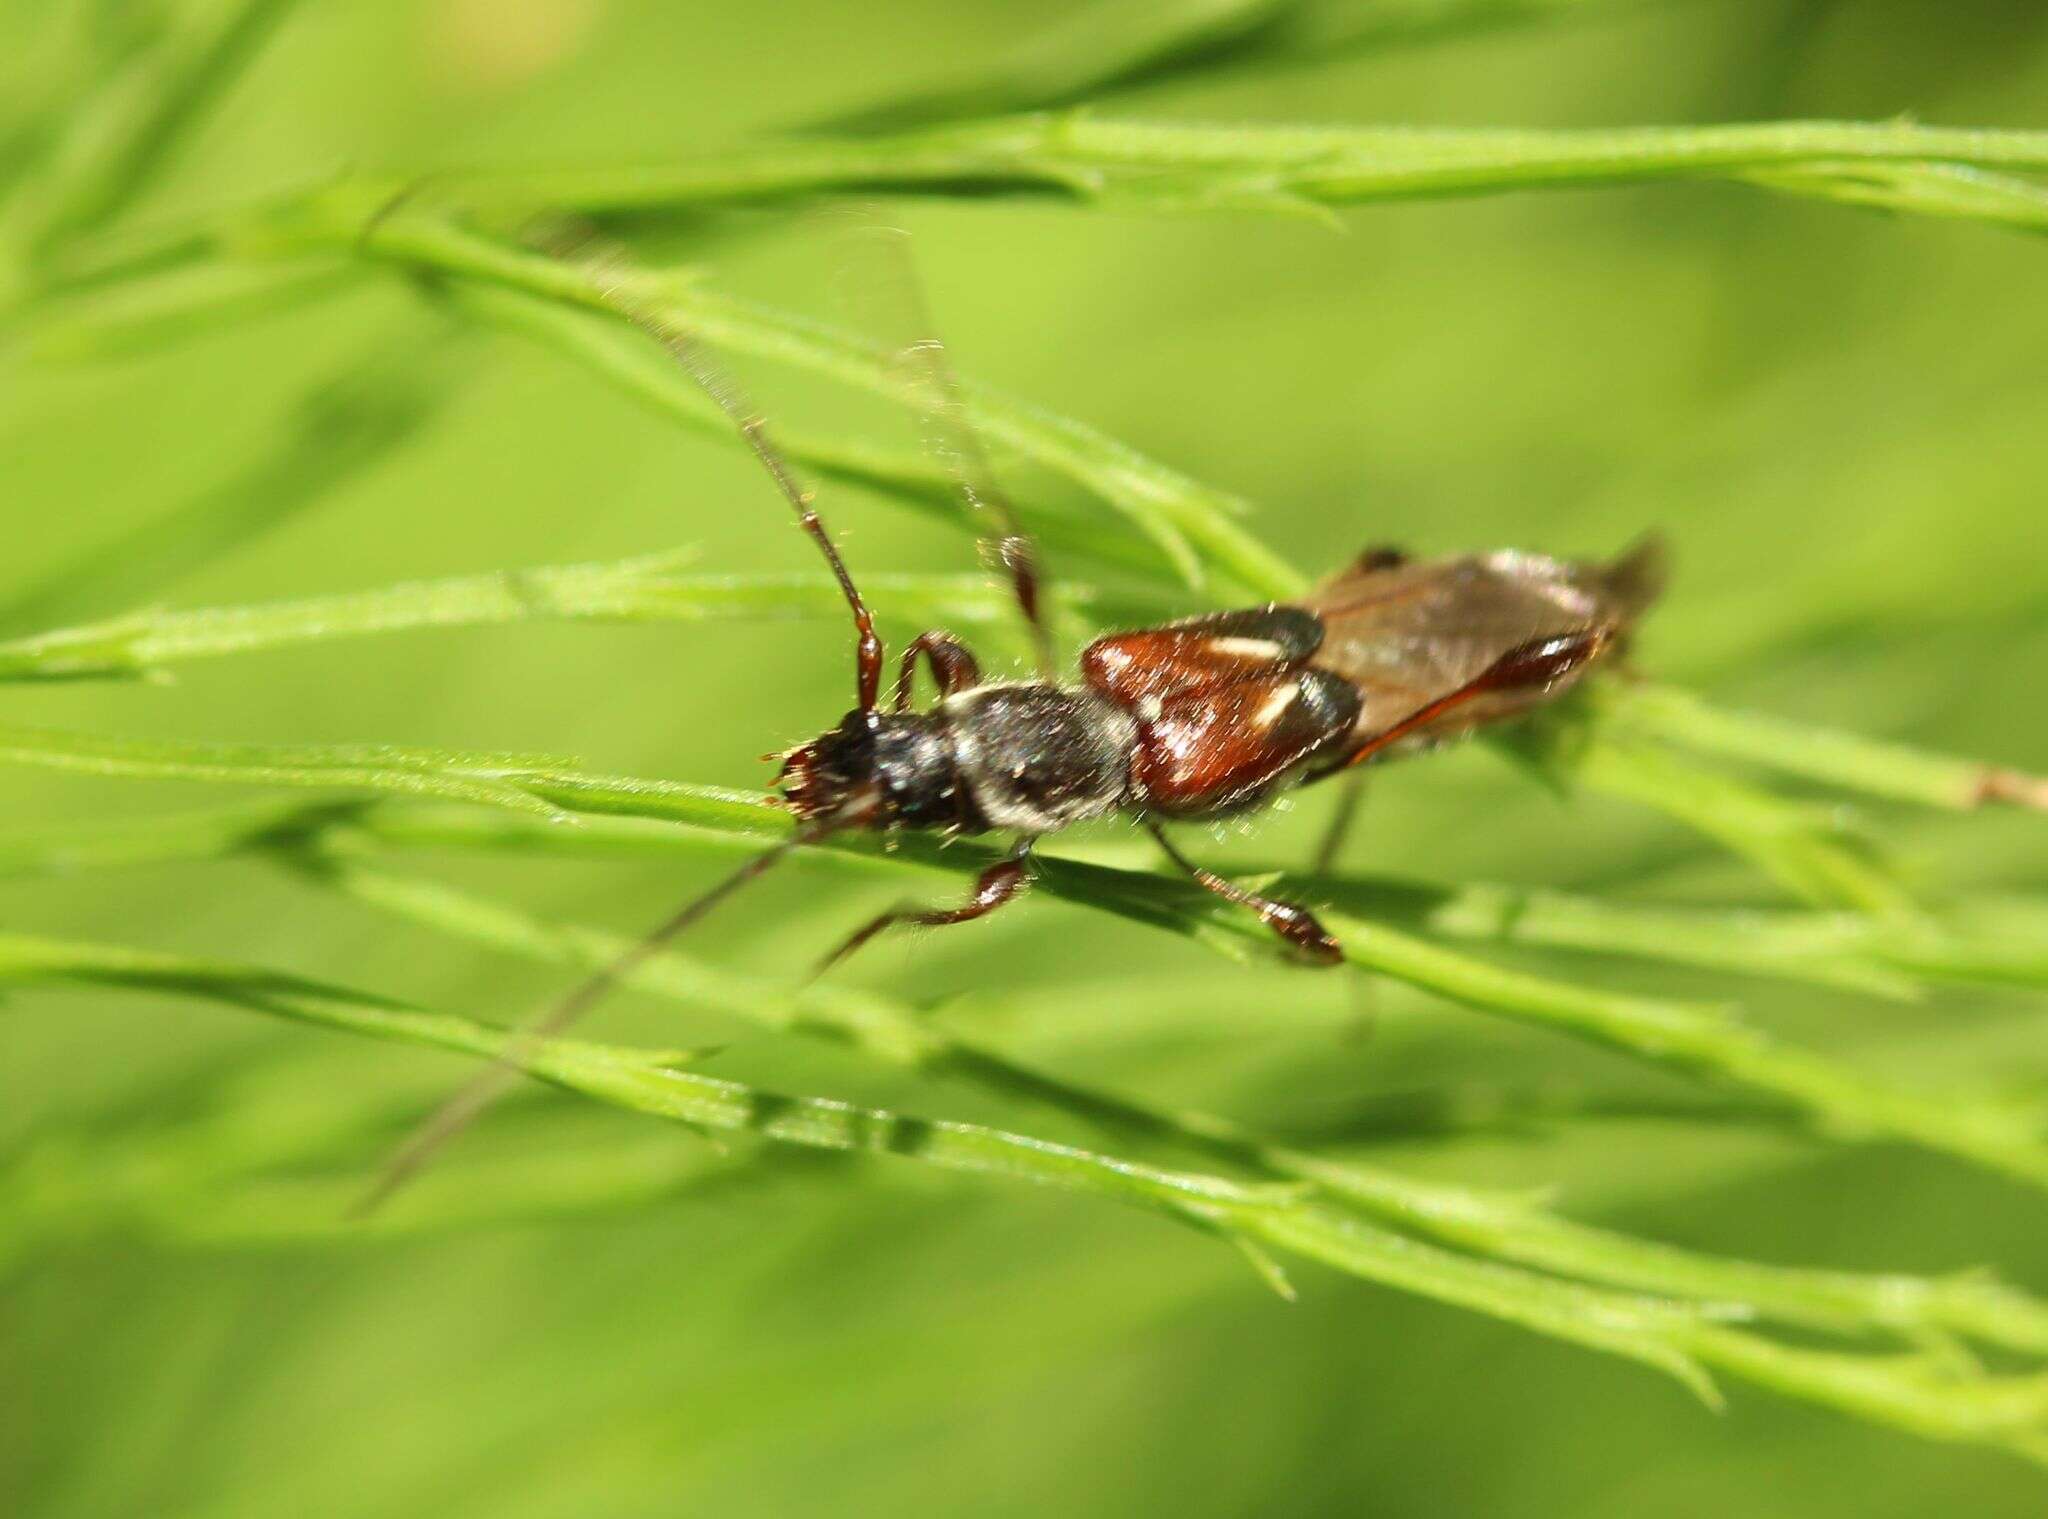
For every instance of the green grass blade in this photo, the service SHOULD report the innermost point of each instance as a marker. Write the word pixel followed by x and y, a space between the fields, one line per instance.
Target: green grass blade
pixel 1184 519
pixel 189 302
pixel 1800 845
pixel 1939 1400
pixel 1636 1328
pixel 647 589
pixel 1109 49
pixel 1520 1230
pixel 113 141
pixel 1928 1395
pixel 1186 166
pixel 1845 951
pixel 339 430
pixel 1515 1230
pixel 1697 1040
pixel 210 833
pixel 1998 941
pixel 1711 1044
pixel 1932 189
pixel 1820 948
pixel 861 1020
pixel 1806 846
pixel 219 1183
pixel 500 780
pixel 1967 173
pixel 1846 761
pixel 1193 524
pixel 638 369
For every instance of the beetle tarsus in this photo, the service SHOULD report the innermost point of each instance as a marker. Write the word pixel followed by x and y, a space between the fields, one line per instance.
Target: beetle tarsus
pixel 1303 930
pixel 1296 925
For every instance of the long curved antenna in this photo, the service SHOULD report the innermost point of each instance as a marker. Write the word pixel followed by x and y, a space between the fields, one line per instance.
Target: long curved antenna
pixel 608 267
pixel 463 1107
pixel 951 438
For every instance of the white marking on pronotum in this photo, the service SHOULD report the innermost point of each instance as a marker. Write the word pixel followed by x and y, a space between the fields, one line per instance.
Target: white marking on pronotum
pixel 1262 649
pixel 1277 704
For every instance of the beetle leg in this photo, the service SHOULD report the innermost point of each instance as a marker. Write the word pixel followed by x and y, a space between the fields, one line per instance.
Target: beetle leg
pixel 953 667
pixel 1017 556
pixel 1380 556
pixel 1294 923
pixel 995 886
pixel 1538 664
pixel 1338 829
pixel 949 432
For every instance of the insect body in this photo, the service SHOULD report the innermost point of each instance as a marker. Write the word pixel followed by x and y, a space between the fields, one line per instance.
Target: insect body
pixel 1194 719
pixel 1212 715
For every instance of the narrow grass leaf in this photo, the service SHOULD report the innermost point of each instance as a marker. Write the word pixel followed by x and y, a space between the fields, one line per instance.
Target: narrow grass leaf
pixel 646 589
pixel 187 303
pixel 639 369
pixel 1846 951
pixel 127 127
pixel 1846 761
pixel 1193 524
pixel 1108 49
pixel 1639 1328
pixel 500 780
pixel 1698 1040
pixel 1835 949
pixel 1515 1230
pixel 1190 166
pixel 1801 845
pixel 1936 1397
pixel 336 432
pixel 209 833
pixel 1701 1041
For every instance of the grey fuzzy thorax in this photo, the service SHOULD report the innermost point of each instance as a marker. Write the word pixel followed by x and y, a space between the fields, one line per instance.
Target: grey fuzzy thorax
pixel 1036 758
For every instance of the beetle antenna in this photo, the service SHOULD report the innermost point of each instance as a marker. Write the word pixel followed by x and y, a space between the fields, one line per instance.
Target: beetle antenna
pixel 615 280
pixel 468 1102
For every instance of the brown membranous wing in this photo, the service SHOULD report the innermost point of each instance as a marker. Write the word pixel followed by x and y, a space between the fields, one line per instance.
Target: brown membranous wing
pixel 1437 648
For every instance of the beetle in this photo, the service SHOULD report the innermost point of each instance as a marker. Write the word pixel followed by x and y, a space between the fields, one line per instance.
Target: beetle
pixel 1203 718
pixel 1211 716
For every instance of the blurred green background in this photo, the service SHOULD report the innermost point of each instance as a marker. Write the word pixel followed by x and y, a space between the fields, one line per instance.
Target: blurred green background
pixel 1835 416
